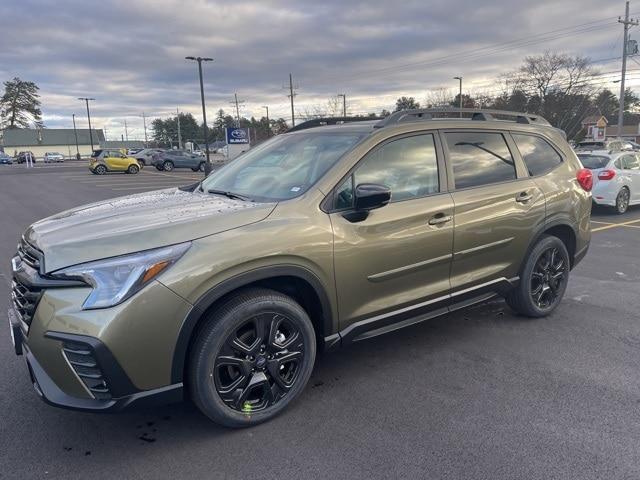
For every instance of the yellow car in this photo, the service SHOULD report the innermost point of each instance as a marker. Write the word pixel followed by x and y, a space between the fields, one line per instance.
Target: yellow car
pixel 103 161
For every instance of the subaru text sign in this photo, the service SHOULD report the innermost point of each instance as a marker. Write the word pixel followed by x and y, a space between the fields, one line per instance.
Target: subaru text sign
pixel 237 136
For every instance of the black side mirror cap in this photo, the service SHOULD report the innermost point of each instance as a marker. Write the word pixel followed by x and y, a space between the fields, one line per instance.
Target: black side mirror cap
pixel 370 196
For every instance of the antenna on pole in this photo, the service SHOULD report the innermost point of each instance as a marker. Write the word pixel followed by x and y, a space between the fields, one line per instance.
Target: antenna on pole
pixel 237 103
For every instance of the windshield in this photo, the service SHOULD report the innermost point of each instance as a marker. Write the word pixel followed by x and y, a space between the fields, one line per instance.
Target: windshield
pixel 283 167
pixel 593 161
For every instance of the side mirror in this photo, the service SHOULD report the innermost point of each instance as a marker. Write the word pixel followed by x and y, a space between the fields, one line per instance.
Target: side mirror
pixel 370 196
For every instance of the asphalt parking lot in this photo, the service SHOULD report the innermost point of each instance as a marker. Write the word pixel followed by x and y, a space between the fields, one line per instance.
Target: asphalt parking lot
pixel 481 393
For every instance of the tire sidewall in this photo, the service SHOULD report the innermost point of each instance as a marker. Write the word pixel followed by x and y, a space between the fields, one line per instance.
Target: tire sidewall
pixel 214 336
pixel 617 208
pixel 544 244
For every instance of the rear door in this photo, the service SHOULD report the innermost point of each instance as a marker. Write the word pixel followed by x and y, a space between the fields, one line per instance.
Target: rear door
pixel 497 207
pixel 394 262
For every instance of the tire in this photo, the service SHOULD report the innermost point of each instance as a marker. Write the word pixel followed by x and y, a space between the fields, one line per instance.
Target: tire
pixel 227 379
pixel 543 279
pixel 100 170
pixel 194 169
pixel 167 166
pixel 133 169
pixel 159 168
pixel 201 167
pixel 141 162
pixel 622 201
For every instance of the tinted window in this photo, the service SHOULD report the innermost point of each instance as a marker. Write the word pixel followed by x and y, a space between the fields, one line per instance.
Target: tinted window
pixel 593 161
pixel 538 155
pixel 479 158
pixel 407 166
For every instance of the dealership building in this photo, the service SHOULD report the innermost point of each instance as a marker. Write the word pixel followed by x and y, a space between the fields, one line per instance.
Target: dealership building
pixel 42 140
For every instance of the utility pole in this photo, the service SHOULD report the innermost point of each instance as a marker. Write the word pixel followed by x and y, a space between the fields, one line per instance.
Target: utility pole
pixel 207 166
pixel 86 100
pixel 179 132
pixel 344 103
pixel 75 132
pixel 459 94
pixel 627 22
pixel 237 103
pixel 291 95
pixel 144 123
pixel 126 132
pixel 266 107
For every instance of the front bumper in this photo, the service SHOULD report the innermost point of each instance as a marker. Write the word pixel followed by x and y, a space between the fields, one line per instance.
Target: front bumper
pixel 96 360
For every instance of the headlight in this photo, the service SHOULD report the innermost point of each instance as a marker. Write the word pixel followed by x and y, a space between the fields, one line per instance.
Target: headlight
pixel 118 278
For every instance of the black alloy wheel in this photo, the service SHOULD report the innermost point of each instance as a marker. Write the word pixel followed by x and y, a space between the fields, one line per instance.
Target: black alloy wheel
pixel 548 278
pixel 259 362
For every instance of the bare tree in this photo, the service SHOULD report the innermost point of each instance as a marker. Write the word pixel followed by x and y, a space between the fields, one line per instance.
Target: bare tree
pixel 439 97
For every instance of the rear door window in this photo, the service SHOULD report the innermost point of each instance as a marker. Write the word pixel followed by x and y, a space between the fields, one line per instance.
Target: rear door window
pixel 538 155
pixel 479 158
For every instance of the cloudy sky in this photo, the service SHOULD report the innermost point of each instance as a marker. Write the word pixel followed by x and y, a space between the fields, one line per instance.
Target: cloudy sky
pixel 129 54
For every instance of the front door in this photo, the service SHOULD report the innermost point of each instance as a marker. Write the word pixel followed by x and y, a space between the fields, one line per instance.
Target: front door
pixel 394 264
pixel 497 207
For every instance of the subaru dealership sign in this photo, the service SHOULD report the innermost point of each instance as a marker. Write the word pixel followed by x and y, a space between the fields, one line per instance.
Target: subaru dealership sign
pixel 237 136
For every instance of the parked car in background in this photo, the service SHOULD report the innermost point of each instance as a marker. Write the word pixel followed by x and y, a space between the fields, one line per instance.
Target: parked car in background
pixel 616 179
pixel 112 160
pixel 22 157
pixel 145 155
pixel 5 159
pixel 53 157
pixel 132 151
pixel 170 159
pixel 604 146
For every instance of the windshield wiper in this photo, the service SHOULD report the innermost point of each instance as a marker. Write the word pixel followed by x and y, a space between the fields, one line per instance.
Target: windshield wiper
pixel 235 196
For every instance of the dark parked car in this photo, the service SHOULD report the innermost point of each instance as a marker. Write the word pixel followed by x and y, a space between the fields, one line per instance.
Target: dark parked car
pixel 22 157
pixel 171 159
pixel 5 159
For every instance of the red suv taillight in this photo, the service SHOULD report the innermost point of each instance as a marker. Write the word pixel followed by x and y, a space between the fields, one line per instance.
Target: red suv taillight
pixel 606 174
pixel 585 179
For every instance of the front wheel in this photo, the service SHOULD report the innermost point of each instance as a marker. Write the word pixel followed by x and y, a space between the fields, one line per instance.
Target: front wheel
pixel 133 169
pixel 167 166
pixel 544 279
pixel 252 357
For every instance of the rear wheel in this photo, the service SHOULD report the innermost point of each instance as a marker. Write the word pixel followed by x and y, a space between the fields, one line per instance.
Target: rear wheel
pixel 251 358
pixel 100 170
pixel 133 169
pixel 167 166
pixel 543 280
pixel 622 201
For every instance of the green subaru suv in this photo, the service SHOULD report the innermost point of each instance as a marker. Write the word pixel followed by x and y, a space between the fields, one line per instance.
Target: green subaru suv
pixel 315 239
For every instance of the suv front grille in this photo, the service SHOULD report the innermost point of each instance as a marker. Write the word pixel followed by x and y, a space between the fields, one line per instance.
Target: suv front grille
pixel 25 300
pixel 30 255
pixel 81 358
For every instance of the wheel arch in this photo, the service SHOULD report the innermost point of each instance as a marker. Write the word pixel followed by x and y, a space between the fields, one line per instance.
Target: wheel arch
pixel 298 282
pixel 560 228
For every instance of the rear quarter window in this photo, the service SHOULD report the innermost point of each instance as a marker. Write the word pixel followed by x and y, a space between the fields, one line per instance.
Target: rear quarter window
pixel 538 155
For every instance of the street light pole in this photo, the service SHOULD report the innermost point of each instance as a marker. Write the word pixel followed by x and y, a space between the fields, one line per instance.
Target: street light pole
pixel 75 132
pixel 207 165
pixel 266 107
pixel 460 94
pixel 344 103
pixel 89 119
pixel 144 123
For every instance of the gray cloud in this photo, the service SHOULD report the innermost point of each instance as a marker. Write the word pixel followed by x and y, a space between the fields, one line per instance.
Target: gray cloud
pixel 130 54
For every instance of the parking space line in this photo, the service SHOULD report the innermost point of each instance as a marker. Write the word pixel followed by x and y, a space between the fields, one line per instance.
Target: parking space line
pixel 603 223
pixel 614 225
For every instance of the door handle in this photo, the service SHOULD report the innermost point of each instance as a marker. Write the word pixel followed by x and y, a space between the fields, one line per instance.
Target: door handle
pixel 523 197
pixel 439 219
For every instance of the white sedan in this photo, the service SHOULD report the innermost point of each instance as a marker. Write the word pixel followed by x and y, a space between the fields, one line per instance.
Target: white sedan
pixel 616 178
pixel 53 157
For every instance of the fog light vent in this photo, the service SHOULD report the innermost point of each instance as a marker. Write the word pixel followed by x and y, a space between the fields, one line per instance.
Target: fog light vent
pixel 81 358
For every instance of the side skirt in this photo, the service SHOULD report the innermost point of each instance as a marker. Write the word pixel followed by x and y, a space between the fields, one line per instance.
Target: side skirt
pixel 404 317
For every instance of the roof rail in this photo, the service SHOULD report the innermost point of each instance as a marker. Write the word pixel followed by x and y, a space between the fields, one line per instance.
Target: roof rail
pixel 473 113
pixel 318 122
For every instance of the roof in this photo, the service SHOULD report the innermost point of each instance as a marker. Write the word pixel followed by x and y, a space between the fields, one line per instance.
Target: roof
pixel 593 119
pixel 26 137
pixel 122 144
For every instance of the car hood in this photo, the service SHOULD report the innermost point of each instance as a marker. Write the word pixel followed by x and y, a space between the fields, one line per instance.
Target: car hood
pixel 137 222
